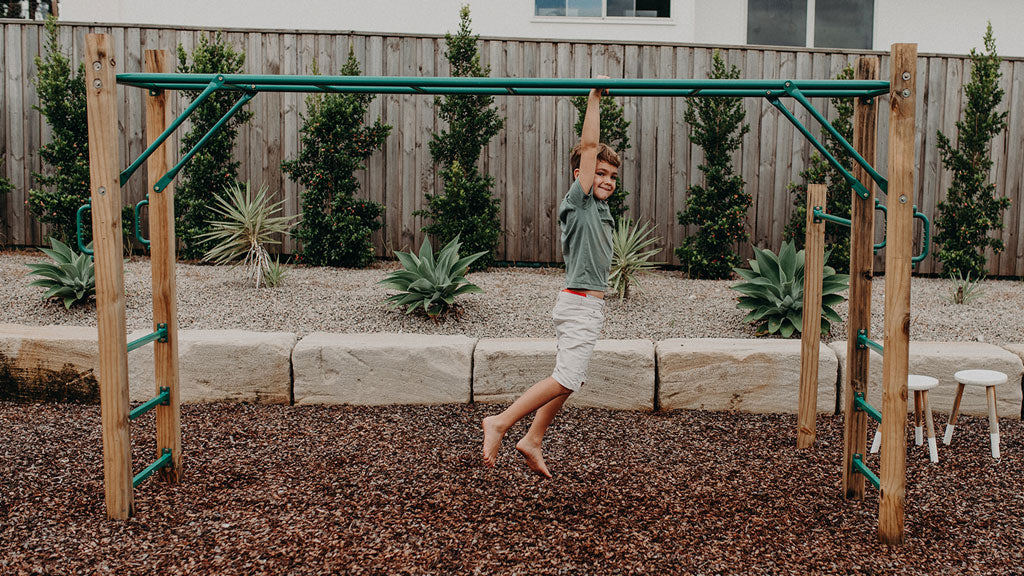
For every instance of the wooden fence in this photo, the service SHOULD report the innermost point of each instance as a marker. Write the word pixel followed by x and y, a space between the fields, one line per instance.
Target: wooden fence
pixel 528 159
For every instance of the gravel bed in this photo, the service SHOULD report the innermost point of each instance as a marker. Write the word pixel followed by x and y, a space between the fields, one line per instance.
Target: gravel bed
pixel 516 304
pixel 400 490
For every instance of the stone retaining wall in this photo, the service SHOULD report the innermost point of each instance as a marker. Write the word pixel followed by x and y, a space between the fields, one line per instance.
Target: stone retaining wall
pixel 59 363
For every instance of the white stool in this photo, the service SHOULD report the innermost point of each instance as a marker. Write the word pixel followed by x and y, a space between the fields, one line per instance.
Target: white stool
pixel 919 385
pixel 989 379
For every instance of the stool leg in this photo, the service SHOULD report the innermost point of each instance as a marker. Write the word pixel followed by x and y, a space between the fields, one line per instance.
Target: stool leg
pixel 933 450
pixel 877 442
pixel 952 416
pixel 993 420
pixel 917 418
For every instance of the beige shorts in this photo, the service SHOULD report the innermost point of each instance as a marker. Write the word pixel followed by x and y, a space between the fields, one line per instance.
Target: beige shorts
pixel 578 321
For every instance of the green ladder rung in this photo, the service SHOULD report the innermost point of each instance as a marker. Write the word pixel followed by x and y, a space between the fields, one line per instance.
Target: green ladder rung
pixel 161 399
pixel 864 342
pixel 820 215
pixel 860 467
pixel 861 404
pixel 160 334
pixel 164 461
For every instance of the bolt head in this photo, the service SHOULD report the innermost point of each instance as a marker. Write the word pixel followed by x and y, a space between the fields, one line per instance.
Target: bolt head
pixel 97 84
pixel 903 198
pixel 97 65
pixel 906 93
pixel 102 190
pixel 906 75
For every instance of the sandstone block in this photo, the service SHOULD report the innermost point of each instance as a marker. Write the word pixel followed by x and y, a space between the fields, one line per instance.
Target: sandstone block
pixel 49 363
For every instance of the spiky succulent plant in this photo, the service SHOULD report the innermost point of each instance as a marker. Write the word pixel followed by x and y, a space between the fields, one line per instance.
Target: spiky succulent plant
pixel 430 284
pixel 71 276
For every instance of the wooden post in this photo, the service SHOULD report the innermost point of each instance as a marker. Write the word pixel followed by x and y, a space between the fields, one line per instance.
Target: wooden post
pixel 810 337
pixel 162 246
pixel 898 251
pixel 862 216
pixel 101 106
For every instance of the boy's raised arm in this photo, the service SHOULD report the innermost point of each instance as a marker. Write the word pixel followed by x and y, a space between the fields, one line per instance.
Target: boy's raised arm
pixel 590 138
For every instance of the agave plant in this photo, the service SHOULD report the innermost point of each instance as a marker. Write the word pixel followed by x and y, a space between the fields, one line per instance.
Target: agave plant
pixel 275 273
pixel 965 290
pixel 430 284
pixel 71 276
pixel 248 226
pixel 630 255
pixel 774 291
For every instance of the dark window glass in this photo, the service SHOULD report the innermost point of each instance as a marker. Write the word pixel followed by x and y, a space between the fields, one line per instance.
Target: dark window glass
pixel 652 8
pixel 621 8
pixel 777 22
pixel 844 24
pixel 583 8
pixel 549 8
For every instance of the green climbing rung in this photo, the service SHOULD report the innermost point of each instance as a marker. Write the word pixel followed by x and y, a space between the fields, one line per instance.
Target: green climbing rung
pixel 164 461
pixel 161 399
pixel 160 334
pixel 864 342
pixel 861 404
pixel 862 468
pixel 820 215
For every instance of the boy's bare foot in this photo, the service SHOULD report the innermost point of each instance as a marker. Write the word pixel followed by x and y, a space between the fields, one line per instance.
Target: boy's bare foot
pixel 534 457
pixel 492 440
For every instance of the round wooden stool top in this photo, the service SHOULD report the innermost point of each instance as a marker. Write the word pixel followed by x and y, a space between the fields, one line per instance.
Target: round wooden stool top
pixel 980 377
pixel 918 383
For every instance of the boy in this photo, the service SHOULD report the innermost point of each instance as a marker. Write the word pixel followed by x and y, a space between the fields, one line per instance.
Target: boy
pixel 578 315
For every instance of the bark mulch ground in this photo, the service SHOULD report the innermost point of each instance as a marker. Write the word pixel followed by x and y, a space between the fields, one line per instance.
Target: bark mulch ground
pixel 400 490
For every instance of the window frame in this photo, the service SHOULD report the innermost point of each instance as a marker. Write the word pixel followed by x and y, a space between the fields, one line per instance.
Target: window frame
pixel 604 18
pixel 809 34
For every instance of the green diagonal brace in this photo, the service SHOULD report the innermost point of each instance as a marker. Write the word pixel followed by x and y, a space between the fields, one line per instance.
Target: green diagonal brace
pixel 210 89
pixel 793 91
pixel 167 178
pixel 861 404
pixel 166 460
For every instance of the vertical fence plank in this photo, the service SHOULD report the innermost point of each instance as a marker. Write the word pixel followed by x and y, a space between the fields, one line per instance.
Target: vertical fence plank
pixel 547 182
pixel 17 168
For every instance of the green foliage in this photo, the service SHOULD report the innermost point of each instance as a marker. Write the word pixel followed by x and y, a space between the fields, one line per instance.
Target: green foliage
pixel 774 291
pixel 613 133
pixel 248 224
pixel 965 290
pixel 473 213
pixel 971 208
pixel 62 104
pixel 212 168
pixel 337 227
pixel 719 207
pixel 630 254
pixel 838 194
pixel 275 273
pixel 430 284
pixel 71 276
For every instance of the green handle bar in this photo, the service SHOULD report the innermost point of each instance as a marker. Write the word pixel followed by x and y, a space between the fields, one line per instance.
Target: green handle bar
pixel 138 218
pixel 78 227
pixel 885 212
pixel 926 240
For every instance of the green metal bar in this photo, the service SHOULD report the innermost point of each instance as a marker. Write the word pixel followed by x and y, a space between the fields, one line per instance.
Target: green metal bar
pixel 160 334
pixel 864 342
pixel 211 87
pixel 167 178
pixel 795 92
pixel 861 404
pixel 926 240
pixel 862 468
pixel 161 399
pixel 138 219
pixel 820 215
pixel 78 227
pixel 885 211
pixel 164 461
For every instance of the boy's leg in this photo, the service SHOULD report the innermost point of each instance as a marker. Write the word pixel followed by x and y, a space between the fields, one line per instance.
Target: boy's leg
pixel 537 396
pixel 530 444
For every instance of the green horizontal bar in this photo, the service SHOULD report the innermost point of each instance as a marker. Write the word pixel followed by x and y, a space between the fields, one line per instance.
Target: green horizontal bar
pixel 160 334
pixel 819 216
pixel 161 399
pixel 861 404
pixel 864 342
pixel 862 468
pixel 164 461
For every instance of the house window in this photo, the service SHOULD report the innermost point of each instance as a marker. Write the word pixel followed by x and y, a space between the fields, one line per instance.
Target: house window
pixel 603 8
pixel 834 23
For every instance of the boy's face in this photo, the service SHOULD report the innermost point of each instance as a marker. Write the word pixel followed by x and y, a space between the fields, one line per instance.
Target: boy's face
pixel 604 176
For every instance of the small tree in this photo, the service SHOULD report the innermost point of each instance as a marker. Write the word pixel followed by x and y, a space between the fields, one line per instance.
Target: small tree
pixel 212 168
pixel 466 208
pixel 336 227
pixel 838 194
pixel 971 208
pixel 613 133
pixel 719 207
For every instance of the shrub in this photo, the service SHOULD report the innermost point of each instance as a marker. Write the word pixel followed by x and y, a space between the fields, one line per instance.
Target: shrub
pixel 430 284
pixel 248 225
pixel 774 291
pixel 337 227
pixel 614 134
pixel 471 213
pixel 971 208
pixel 212 168
pixel 275 273
pixel 630 255
pixel 838 194
pixel 71 276
pixel 719 207
pixel 965 290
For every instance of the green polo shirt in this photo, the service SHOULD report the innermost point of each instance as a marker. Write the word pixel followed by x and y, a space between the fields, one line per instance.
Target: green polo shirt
pixel 586 239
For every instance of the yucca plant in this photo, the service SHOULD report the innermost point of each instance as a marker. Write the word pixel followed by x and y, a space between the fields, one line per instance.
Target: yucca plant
pixel 965 290
pixel 275 273
pixel 247 227
pixel 430 284
pixel 71 276
pixel 774 291
pixel 630 255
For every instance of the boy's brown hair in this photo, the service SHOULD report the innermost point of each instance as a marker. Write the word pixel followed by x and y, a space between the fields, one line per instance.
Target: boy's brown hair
pixel 604 154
